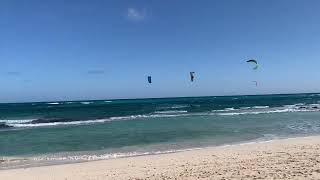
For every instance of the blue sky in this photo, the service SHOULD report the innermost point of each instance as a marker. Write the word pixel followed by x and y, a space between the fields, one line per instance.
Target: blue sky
pixel 65 50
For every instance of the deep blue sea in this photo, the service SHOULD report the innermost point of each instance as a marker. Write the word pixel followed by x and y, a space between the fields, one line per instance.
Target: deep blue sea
pixel 59 132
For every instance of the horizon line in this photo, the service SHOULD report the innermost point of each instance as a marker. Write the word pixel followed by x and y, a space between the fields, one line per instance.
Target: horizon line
pixel 167 97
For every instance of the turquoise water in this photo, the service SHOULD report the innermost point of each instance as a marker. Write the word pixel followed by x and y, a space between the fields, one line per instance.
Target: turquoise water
pixel 91 130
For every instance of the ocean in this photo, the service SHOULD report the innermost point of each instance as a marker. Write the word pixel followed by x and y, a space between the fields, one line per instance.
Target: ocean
pixel 42 133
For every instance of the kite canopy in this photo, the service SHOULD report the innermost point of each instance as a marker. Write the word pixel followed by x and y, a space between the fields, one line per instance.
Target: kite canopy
pixel 191 76
pixel 149 79
pixel 254 62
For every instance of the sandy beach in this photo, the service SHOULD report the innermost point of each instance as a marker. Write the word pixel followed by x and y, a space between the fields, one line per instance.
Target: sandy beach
pixel 296 158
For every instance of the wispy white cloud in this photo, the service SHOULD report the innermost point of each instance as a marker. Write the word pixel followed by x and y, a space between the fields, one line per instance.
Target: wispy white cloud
pixel 134 14
pixel 96 72
pixel 13 73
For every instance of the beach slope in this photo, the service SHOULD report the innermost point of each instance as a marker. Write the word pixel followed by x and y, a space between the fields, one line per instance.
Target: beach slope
pixel 296 158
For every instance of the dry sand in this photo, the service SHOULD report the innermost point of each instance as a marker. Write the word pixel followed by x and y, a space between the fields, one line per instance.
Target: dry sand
pixel 297 158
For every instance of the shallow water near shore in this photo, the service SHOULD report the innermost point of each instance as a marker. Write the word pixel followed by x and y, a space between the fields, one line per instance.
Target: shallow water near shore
pixel 63 132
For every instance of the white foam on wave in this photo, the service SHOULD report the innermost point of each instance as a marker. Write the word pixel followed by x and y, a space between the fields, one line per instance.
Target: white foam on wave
pixel 167 114
pixel 257 112
pixel 179 106
pixel 53 103
pixel 87 157
pixel 108 101
pixel 25 124
pixel 285 108
pixel 147 116
pixel 290 106
pixel 224 110
pixel 86 103
pixel 260 107
pixel 175 107
pixel 314 95
pixel 266 109
pixel 245 107
pixel 60 123
pixel 170 112
pixel 15 121
pixel 305 126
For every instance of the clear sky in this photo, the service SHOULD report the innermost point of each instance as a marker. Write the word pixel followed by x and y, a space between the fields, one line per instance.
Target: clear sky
pixel 98 49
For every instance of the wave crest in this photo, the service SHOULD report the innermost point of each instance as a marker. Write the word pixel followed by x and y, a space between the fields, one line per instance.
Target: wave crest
pixel 161 114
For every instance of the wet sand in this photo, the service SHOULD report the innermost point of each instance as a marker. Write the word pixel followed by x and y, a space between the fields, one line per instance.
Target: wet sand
pixel 296 158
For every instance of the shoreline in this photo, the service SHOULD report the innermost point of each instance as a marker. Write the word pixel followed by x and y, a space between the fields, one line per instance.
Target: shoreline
pixel 279 158
pixel 55 162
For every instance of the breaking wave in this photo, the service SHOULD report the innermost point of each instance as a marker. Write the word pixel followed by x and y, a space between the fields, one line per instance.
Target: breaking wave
pixel 86 103
pixel 170 112
pixel 160 114
pixel 267 109
pixel 56 122
pixel 260 107
pixel 53 103
pixel 258 112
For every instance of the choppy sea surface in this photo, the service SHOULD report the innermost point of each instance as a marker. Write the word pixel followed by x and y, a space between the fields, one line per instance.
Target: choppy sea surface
pixel 43 133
